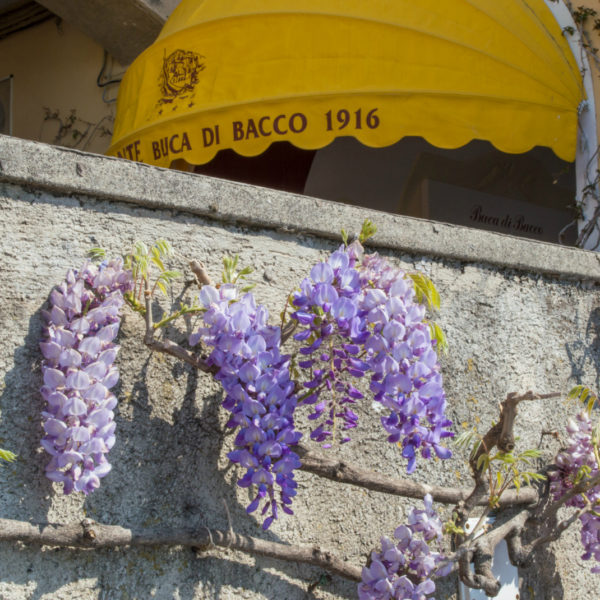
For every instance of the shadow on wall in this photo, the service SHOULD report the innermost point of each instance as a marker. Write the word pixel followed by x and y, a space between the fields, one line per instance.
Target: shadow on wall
pixel 26 493
pixel 166 473
pixel 583 355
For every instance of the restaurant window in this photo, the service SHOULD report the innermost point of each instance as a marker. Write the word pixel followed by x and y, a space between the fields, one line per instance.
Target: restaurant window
pixel 530 195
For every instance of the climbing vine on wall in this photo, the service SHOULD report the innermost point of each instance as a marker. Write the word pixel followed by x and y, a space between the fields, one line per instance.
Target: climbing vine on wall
pixel 356 330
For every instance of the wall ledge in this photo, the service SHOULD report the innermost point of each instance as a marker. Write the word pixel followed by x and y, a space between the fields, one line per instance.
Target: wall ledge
pixel 64 171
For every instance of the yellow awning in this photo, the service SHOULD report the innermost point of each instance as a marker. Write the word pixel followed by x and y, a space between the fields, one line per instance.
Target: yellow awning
pixel 242 74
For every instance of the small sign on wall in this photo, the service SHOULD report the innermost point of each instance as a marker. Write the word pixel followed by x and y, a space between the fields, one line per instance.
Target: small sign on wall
pixel 6 105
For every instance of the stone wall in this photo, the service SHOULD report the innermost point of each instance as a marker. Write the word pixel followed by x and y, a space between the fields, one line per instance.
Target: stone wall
pixel 518 315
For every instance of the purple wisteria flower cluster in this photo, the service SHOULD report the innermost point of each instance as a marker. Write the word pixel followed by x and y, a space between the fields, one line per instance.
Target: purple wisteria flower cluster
pixel 359 316
pixel 578 462
pixel 404 568
pixel 259 394
pixel 78 372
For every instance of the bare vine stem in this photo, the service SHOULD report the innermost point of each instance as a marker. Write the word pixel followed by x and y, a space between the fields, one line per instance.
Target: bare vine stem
pixel 91 535
pixel 199 270
pixel 342 472
pixel 481 550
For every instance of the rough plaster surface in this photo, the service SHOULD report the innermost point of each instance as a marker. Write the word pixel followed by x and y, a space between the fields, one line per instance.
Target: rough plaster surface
pixel 510 328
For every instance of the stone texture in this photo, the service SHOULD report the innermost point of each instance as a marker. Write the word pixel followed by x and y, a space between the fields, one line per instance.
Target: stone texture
pixel 518 315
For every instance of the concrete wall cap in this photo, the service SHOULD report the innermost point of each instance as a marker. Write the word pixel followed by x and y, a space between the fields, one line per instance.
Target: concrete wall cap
pixel 63 171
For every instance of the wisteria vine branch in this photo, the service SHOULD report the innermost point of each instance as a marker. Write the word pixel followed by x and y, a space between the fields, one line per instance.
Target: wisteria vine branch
pixel 91 535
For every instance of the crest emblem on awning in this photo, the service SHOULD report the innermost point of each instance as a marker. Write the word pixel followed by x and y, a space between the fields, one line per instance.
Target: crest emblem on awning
pixel 179 74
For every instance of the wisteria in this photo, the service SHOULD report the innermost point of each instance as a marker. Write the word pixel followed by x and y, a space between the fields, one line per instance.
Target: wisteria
pixel 577 462
pixel 359 316
pixel 259 394
pixel 361 326
pixel 78 373
pixel 406 565
pixel 326 308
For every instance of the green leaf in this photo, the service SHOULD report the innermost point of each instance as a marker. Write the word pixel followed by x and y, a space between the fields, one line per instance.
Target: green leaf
pixel 169 275
pixel 367 231
pixel 474 450
pixel 229 265
pixel 464 439
pixel 140 249
pixel 162 287
pixel 135 305
pixel 528 456
pixel 517 482
pixel 582 473
pixel 596 434
pixel 156 258
pixel 438 335
pixel 96 253
pixel 229 270
pixel 584 395
pixel 451 528
pixel 533 475
pixel 7 455
pixel 164 247
pixel 345 237
pixel 425 290
pixel 531 453
pixel 165 279
pixel 483 462
pixel 506 457
pixel 139 260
